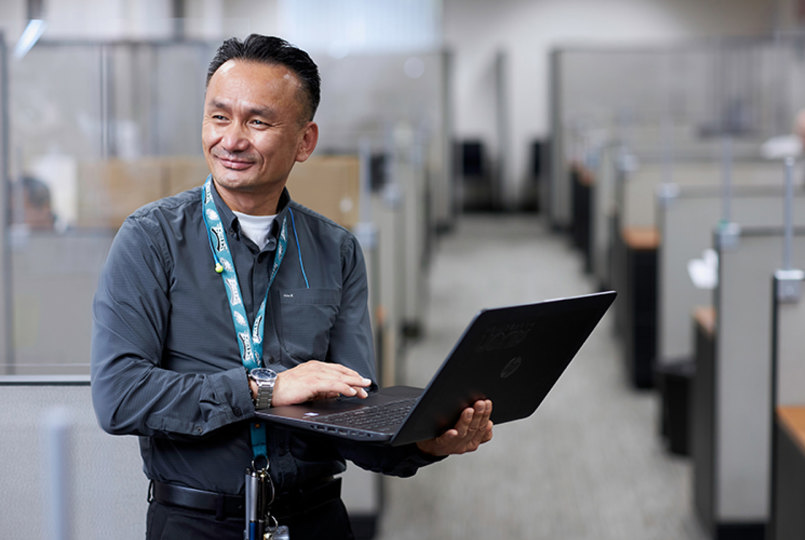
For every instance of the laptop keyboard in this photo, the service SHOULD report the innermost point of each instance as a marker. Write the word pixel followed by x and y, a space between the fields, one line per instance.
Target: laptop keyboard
pixel 385 417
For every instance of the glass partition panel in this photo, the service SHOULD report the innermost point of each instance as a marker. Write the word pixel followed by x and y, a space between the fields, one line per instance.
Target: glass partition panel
pixel 95 131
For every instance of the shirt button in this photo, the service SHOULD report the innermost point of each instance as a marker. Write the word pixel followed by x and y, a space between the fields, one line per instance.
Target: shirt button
pixel 237 412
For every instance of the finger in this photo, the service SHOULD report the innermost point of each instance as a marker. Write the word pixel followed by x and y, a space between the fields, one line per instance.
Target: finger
pixel 343 389
pixel 483 412
pixel 321 373
pixel 339 371
pixel 489 433
pixel 464 422
pixel 478 417
pixel 316 380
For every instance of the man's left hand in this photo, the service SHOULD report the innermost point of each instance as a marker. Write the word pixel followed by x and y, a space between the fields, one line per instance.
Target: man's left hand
pixel 472 430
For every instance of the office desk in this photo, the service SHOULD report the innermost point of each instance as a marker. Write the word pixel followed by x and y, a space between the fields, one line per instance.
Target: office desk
pixel 639 302
pixel 583 185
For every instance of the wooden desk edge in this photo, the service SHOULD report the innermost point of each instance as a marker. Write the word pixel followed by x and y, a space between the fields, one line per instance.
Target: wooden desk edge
pixel 642 238
pixel 792 420
pixel 705 317
pixel 585 175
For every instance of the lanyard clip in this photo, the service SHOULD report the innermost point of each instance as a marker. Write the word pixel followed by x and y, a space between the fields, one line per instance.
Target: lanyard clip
pixel 259 495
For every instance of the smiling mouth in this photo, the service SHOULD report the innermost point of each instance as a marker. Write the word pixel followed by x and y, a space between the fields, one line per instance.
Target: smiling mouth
pixel 234 164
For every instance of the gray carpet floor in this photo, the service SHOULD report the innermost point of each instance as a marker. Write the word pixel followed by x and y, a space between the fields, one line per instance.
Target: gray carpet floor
pixel 589 464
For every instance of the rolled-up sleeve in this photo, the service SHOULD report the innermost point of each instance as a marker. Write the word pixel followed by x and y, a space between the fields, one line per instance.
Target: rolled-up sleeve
pixel 131 393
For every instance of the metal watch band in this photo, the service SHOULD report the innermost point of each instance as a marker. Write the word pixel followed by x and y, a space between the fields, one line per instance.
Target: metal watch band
pixel 265 391
pixel 265 387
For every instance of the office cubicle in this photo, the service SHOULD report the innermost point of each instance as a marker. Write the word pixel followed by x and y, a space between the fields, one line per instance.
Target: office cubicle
pixel 663 101
pixel 732 396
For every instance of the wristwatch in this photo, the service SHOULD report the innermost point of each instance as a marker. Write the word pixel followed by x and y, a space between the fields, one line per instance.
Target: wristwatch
pixel 265 379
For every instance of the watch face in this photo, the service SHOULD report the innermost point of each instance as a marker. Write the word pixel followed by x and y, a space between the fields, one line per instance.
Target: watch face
pixel 262 374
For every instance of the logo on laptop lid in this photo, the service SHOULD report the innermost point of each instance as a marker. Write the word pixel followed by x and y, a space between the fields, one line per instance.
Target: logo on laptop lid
pixel 505 336
pixel 511 366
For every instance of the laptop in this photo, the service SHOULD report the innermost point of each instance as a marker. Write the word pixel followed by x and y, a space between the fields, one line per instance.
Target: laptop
pixel 512 355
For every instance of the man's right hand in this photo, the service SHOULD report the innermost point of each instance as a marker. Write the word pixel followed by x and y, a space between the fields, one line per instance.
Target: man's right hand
pixel 315 380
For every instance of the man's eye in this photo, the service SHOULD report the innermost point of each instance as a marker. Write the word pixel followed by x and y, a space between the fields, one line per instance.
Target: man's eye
pixel 259 123
pixel 219 117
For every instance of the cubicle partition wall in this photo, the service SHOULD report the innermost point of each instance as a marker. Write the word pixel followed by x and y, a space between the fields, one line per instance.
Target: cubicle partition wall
pixel 58 463
pixel 94 131
pixel 635 214
pixel 732 387
pixel 686 275
pixel 686 217
pixel 661 102
pixel 636 198
pixel 6 316
pixel 393 100
pixel 787 407
pixel 607 166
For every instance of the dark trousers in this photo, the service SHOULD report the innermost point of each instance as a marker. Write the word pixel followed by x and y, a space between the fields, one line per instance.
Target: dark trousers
pixel 328 520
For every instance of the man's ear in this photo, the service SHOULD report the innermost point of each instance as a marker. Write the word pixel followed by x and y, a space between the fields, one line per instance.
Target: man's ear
pixel 307 144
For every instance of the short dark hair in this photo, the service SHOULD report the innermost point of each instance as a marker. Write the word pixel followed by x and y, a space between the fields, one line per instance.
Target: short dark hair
pixel 274 51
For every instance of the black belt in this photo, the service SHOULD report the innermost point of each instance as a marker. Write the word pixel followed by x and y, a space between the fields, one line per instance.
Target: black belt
pixel 223 505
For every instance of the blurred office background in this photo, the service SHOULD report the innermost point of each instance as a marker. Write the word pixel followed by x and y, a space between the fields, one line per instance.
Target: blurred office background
pixel 484 152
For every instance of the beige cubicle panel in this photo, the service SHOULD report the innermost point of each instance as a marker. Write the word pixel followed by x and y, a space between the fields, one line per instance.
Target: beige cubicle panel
pixel 330 185
pixel 636 203
pixel 109 190
pixel 181 173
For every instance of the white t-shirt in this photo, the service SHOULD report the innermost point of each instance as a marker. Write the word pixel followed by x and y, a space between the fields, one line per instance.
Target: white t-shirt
pixel 256 228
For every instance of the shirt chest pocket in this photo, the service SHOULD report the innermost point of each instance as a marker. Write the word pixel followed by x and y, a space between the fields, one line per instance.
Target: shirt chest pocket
pixel 307 316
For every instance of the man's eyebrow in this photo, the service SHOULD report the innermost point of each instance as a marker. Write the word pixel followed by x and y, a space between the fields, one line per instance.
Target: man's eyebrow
pixel 220 104
pixel 260 111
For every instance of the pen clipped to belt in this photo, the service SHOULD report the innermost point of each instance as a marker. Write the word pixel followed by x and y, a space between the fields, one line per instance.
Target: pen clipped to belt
pixel 260 524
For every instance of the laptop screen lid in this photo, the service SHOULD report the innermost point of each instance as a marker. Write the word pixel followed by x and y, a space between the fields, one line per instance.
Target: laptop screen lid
pixel 512 355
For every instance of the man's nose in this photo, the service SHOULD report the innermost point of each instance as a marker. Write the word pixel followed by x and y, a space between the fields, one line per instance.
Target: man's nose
pixel 235 137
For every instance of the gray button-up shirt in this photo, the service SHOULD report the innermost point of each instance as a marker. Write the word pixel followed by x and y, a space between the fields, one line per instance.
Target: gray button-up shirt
pixel 165 360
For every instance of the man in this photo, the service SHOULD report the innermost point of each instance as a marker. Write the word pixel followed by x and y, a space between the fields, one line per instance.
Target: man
pixel 167 362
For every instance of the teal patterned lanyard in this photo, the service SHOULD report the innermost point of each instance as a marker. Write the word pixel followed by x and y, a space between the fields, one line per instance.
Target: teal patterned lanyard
pixel 250 340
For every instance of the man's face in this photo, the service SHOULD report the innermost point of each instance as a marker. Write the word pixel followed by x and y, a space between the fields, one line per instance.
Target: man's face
pixel 254 127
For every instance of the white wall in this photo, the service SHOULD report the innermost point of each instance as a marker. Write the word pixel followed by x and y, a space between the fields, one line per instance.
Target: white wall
pixel 526 30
